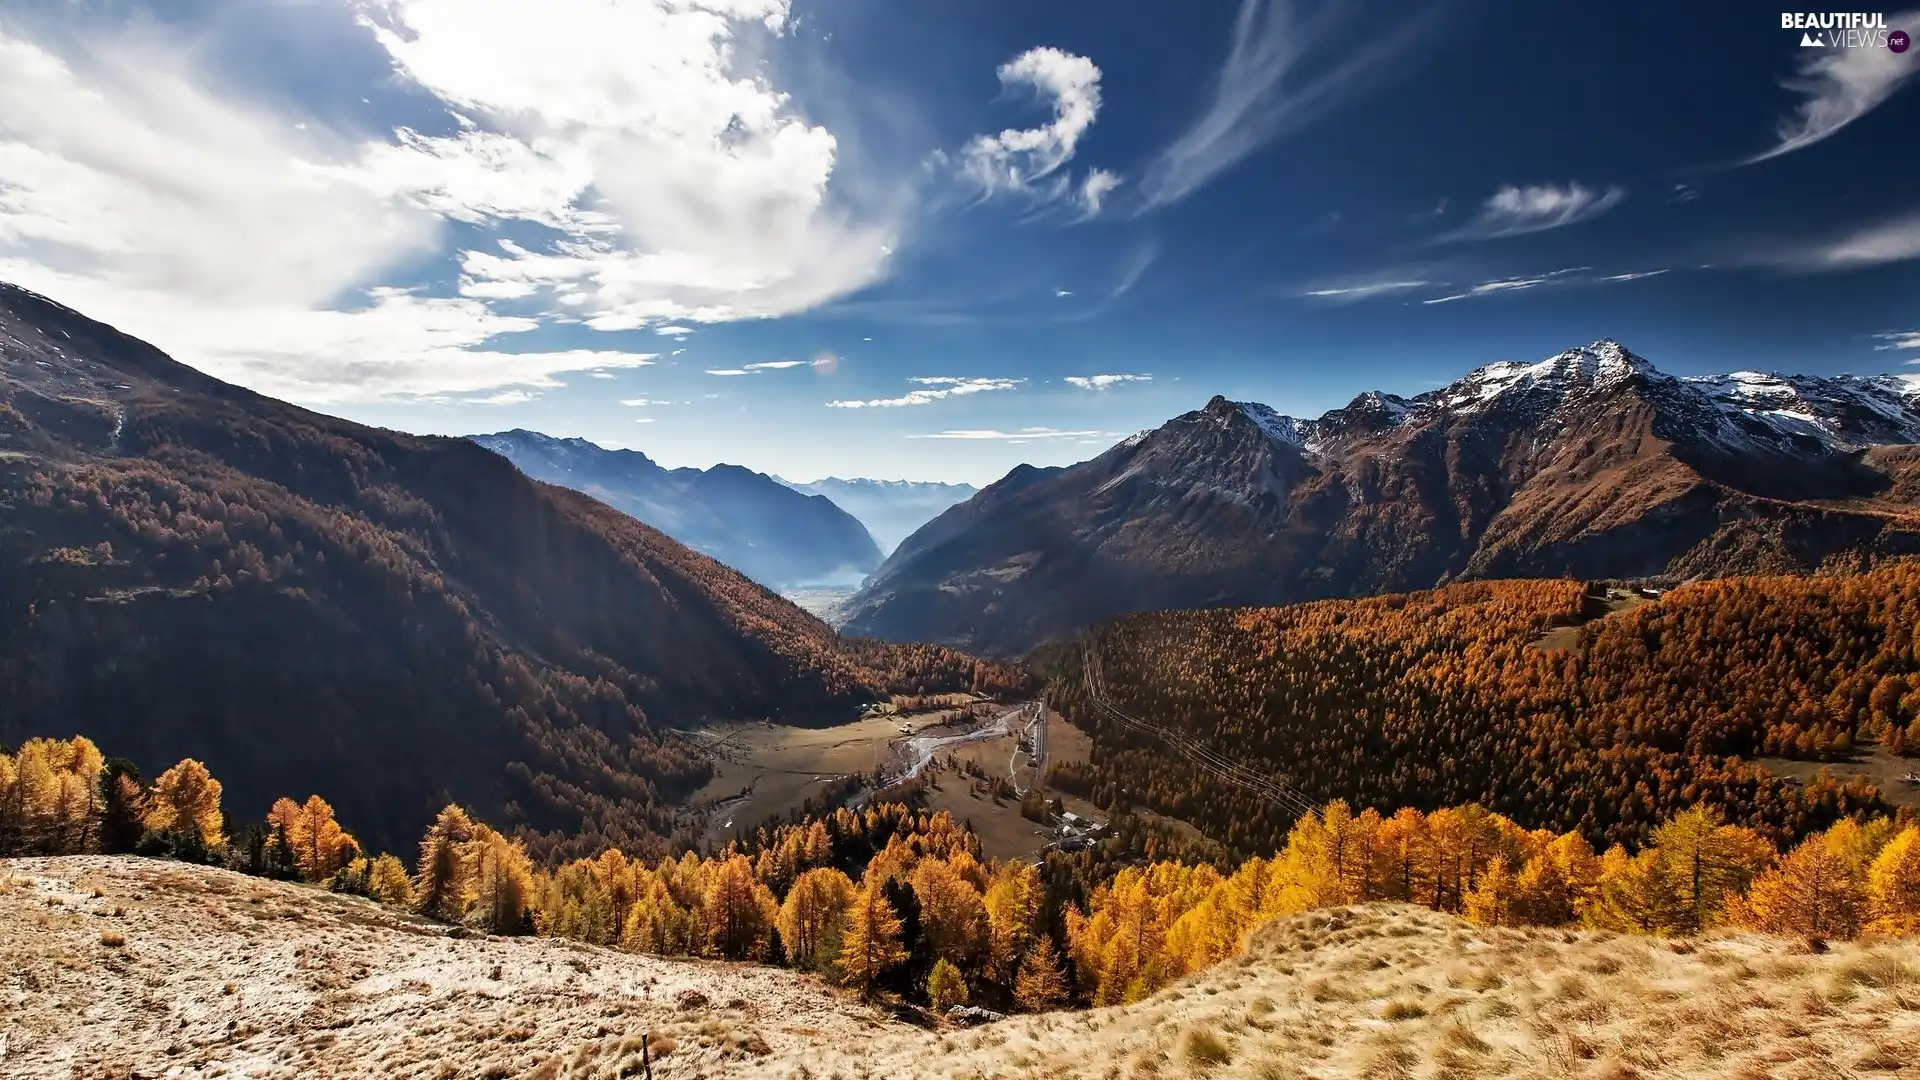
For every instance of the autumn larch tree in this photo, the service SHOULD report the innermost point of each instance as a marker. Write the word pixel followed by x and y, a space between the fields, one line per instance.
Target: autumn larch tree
pixel 946 987
pixel 443 885
pixel 1039 985
pixel 813 917
pixel 872 943
pixel 186 802
pixel 740 911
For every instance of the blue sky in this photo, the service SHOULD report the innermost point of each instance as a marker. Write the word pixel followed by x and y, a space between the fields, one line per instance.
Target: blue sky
pixel 931 240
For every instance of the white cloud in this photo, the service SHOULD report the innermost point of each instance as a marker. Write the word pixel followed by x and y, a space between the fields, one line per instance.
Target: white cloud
pixel 1905 339
pixel 644 420
pixel 1032 434
pixel 1892 241
pixel 1026 160
pixel 1500 285
pixel 399 346
pixel 504 397
pixel 1635 275
pixel 1839 86
pixel 601 375
pixel 1062 293
pixel 825 363
pixel 1365 290
pixel 1284 69
pixel 1514 210
pixel 1888 241
pixel 1095 189
pixel 932 388
pixel 119 164
pixel 253 241
pixel 687 190
pixel 1101 382
pixel 673 331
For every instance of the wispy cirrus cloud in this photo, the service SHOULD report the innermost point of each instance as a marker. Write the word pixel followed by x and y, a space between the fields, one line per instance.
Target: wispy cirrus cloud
pixel 1514 210
pixel 1902 339
pixel 1503 285
pixel 1877 243
pixel 1365 290
pixel 824 363
pixel 1837 87
pixel 1032 434
pixel 1102 382
pixel 1285 67
pixel 1636 275
pixel 932 388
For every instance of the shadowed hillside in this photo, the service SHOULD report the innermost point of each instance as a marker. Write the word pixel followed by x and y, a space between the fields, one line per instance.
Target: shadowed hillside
pixel 190 569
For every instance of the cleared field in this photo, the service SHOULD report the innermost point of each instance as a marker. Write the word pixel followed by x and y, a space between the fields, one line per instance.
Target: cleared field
pixel 1881 768
pixel 1004 833
pixel 1566 637
pixel 762 769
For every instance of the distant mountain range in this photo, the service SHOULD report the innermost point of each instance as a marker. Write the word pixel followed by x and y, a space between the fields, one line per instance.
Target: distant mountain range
pixel 305 604
pixel 767 530
pixel 1591 463
pixel 890 509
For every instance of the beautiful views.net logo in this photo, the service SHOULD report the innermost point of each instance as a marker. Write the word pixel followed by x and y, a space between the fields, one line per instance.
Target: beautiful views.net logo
pixel 1845 30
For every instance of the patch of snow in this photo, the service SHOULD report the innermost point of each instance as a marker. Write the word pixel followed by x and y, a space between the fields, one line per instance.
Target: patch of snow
pixel 1278 427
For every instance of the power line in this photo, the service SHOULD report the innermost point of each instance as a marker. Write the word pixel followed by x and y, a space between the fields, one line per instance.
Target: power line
pixel 1205 758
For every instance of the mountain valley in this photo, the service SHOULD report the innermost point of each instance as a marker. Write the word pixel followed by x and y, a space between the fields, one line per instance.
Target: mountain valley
pixel 890 509
pixel 775 534
pixel 191 569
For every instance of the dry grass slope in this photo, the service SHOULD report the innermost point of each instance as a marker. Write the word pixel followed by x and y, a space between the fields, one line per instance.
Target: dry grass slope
pixel 119 967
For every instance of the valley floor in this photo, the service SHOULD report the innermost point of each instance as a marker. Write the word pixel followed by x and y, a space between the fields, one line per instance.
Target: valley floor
pixel 120 967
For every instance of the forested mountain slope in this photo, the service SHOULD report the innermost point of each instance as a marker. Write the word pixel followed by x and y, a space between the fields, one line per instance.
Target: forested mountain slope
pixel 763 528
pixel 1590 463
pixel 1436 698
pixel 191 569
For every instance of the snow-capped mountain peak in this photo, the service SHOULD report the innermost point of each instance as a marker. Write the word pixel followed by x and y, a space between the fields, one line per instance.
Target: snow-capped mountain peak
pixel 1277 426
pixel 1840 412
pixel 1601 367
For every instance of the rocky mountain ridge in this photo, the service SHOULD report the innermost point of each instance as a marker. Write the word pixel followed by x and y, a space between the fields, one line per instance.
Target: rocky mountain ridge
pixel 1591 462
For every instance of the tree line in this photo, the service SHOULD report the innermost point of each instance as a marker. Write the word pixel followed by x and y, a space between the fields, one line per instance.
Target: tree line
pixel 897 901
pixel 1154 923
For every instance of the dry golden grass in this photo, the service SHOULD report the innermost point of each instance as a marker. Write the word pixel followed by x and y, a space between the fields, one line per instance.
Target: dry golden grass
pixel 222 975
pixel 122 967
